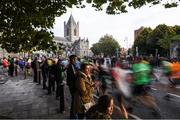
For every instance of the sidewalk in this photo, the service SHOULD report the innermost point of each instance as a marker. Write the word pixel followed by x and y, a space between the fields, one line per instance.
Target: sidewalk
pixel 21 98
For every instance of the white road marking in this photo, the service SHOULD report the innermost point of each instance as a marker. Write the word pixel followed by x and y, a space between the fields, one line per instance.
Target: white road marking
pixel 173 95
pixel 178 87
pixel 168 93
pixel 153 88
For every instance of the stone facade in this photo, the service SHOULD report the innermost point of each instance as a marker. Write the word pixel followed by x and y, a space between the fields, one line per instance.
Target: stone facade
pixel 175 49
pixel 137 32
pixel 72 41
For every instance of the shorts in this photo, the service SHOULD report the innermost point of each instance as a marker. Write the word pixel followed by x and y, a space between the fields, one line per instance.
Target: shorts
pixel 139 90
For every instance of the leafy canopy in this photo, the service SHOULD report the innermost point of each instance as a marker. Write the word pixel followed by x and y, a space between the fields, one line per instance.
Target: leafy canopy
pixel 149 41
pixel 106 45
pixel 141 41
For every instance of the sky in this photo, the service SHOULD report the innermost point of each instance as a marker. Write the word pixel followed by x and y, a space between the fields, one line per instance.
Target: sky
pixel 95 24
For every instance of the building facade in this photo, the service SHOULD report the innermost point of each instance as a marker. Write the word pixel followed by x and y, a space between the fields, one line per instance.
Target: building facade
pixel 72 42
pixel 175 49
pixel 137 32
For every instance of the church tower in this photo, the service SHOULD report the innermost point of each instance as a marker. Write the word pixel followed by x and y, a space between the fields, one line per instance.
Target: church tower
pixel 71 29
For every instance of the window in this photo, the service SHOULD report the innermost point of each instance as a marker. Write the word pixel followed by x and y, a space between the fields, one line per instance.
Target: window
pixel 74 32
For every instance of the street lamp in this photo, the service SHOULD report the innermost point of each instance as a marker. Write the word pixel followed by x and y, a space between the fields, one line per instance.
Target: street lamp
pixel 117 49
pixel 156 52
pixel 137 54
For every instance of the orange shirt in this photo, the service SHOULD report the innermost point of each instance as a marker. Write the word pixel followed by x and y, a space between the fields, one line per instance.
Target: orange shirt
pixel 175 70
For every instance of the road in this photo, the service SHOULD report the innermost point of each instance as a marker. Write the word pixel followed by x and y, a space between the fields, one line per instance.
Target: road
pixel 169 106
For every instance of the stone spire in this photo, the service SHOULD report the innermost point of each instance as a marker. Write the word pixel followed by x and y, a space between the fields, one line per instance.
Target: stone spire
pixel 71 21
pixel 71 29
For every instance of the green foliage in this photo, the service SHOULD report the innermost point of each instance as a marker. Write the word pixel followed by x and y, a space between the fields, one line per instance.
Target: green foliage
pixel 141 41
pixel 107 45
pixel 160 38
pixel 95 49
pixel 120 6
pixel 177 29
pixel 25 24
pixel 175 38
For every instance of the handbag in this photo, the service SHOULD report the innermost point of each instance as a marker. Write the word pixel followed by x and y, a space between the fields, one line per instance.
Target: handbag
pixel 87 106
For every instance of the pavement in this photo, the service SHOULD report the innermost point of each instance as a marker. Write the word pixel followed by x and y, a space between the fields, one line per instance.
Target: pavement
pixel 22 98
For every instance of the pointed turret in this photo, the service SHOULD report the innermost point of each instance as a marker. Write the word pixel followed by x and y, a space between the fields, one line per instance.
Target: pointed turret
pixel 71 29
pixel 71 21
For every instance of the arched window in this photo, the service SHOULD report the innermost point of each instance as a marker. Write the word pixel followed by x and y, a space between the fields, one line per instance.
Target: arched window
pixel 74 32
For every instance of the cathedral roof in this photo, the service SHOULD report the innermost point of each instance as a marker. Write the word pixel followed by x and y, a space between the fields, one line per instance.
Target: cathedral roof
pixel 71 20
pixel 60 39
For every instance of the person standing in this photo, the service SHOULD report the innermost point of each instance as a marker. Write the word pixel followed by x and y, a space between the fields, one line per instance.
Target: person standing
pixel 60 84
pixel 44 69
pixel 5 64
pixel 52 76
pixel 11 66
pixel 71 79
pixel 39 70
pixel 84 93
pixel 34 67
pixel 16 66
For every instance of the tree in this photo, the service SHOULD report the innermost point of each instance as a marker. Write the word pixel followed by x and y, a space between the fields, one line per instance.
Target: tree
pixel 22 20
pixel 141 41
pixel 120 6
pixel 160 39
pixel 96 49
pixel 25 24
pixel 177 29
pixel 106 45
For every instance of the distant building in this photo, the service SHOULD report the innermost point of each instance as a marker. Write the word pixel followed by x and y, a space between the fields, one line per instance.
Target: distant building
pixel 175 49
pixel 122 52
pixel 72 41
pixel 137 32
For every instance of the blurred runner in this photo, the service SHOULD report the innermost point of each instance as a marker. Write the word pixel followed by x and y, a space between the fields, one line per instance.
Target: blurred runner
pixel 141 81
pixel 175 73
pixel 122 87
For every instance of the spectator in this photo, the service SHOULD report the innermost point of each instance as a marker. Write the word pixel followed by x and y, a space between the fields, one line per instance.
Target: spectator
pixel 71 78
pixel 5 64
pixel 84 93
pixel 60 84
pixel 52 77
pixel 45 70
pixel 34 67
pixel 103 109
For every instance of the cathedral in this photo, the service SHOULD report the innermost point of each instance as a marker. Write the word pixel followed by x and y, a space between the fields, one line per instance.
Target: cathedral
pixel 71 41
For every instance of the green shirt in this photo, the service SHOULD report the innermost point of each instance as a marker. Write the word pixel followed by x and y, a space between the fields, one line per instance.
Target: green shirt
pixel 141 73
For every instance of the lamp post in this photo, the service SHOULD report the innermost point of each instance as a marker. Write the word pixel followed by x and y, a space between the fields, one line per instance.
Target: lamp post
pixel 156 52
pixel 117 52
pixel 137 54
